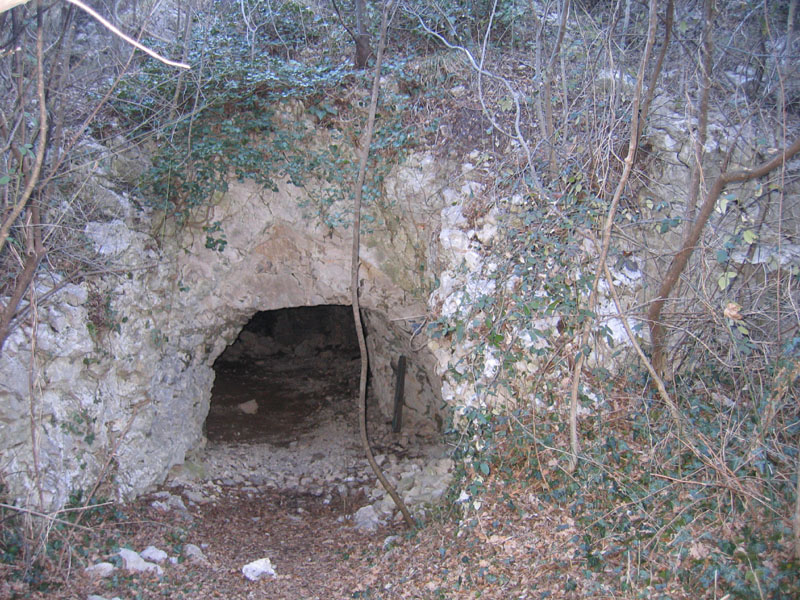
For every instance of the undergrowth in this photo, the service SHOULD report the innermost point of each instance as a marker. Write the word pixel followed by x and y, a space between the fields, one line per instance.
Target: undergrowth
pixel 37 549
pixel 704 504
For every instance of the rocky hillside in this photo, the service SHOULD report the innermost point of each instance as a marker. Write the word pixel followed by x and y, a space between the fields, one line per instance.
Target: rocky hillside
pixel 580 229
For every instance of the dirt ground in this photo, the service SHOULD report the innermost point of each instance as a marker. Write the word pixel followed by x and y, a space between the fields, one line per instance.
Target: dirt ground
pixel 284 484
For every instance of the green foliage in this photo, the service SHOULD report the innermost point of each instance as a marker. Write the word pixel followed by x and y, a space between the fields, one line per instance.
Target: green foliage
pixel 640 493
pixel 30 543
pixel 254 116
pixel 215 243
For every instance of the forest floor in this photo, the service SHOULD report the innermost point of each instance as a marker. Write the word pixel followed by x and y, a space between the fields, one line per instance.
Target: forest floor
pixel 286 484
pixel 503 543
pixel 511 547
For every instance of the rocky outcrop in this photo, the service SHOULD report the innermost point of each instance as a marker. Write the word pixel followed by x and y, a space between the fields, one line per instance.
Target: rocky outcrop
pixel 118 387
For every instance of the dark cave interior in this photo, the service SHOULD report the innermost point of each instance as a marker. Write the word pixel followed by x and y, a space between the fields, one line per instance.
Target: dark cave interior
pixel 284 366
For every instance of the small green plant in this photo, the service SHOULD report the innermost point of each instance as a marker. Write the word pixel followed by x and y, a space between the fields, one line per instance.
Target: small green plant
pixel 215 243
pixel 102 316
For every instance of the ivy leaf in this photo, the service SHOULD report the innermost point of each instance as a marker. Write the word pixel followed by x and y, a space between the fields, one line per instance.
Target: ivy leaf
pixel 749 236
pixel 725 279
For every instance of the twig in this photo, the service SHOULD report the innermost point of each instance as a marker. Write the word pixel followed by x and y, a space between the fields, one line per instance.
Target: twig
pixel 680 260
pixel 36 513
pixel 130 40
pixel 478 68
pixel 40 151
pixel 687 438
pixel 606 239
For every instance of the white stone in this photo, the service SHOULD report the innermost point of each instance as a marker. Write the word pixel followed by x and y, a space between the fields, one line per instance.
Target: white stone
pixel 100 570
pixel 131 561
pixel 249 408
pixel 455 244
pixel 366 519
pixel 258 568
pixel 196 497
pixel 176 502
pixel 487 233
pixel 154 554
pixel 193 553
pixel 109 238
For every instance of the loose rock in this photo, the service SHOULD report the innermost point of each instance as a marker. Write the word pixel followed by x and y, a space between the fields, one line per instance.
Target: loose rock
pixel 100 570
pixel 249 408
pixel 154 554
pixel 258 569
pixel 366 519
pixel 194 554
pixel 131 561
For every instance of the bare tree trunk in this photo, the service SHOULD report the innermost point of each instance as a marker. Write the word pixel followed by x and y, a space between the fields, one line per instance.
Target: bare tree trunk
pixel 35 170
pixel 702 114
pixel 680 260
pixel 548 89
pixel 35 251
pixel 363 49
pixel 63 65
pixel 354 287
pixel 187 31
pixel 537 65
pixel 651 87
pixel 606 238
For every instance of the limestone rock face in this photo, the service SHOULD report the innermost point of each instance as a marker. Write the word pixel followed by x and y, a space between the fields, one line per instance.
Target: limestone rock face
pixel 121 379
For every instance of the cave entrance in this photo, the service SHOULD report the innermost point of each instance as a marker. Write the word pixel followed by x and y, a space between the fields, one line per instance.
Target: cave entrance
pixel 286 368
pixel 283 411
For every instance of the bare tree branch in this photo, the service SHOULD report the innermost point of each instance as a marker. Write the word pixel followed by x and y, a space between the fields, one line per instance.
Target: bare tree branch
pixel 606 238
pixel 33 177
pixel 680 260
pixel 89 10
pixel 515 96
